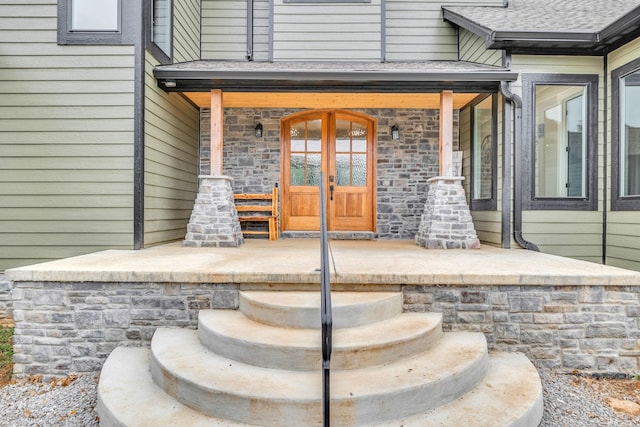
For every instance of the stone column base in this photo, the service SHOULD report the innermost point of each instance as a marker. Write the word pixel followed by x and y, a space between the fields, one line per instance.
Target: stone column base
pixel 446 222
pixel 214 219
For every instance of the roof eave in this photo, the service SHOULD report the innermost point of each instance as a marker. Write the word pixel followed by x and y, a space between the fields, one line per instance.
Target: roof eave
pixel 297 81
pixel 469 25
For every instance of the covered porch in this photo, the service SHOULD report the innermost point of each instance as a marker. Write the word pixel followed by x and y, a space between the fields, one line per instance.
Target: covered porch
pixel 383 131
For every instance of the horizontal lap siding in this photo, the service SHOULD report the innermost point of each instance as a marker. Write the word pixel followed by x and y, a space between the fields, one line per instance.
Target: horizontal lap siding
pixel 327 31
pixel 224 29
pixel 416 30
pixel 66 138
pixel 171 162
pixel 576 234
pixel 623 238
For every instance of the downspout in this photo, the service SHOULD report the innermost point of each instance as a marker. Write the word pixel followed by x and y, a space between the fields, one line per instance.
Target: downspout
pixel 514 99
pixel 249 30
pixel 605 153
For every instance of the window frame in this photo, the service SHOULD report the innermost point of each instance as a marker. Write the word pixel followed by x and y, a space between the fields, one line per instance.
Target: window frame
pixel 590 83
pixel 157 52
pixel 618 202
pixel 489 204
pixel 68 36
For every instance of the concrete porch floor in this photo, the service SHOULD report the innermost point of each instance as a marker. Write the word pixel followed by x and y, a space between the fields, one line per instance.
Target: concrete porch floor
pixel 353 263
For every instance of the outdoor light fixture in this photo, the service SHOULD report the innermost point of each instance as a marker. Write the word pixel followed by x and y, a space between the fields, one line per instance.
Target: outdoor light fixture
pixel 258 130
pixel 169 83
pixel 395 132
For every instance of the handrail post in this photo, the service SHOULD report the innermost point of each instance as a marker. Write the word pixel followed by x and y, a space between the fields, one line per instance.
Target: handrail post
pixel 325 307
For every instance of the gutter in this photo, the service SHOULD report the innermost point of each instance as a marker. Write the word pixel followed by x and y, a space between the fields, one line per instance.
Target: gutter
pixel 514 99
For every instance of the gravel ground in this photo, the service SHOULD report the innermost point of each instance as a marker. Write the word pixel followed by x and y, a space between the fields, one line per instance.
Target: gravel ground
pixel 71 402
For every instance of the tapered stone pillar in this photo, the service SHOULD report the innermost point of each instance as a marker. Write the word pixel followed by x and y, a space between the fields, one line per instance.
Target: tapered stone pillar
pixel 446 221
pixel 214 219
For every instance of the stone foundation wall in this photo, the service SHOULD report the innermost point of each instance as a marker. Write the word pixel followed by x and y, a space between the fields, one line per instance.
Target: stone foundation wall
pixel 593 328
pixel 64 328
pixel 403 166
pixel 6 304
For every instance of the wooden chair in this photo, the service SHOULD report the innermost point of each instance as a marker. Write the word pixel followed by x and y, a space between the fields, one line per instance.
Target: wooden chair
pixel 259 208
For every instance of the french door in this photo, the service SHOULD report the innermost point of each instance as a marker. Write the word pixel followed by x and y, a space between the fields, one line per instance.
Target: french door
pixel 342 145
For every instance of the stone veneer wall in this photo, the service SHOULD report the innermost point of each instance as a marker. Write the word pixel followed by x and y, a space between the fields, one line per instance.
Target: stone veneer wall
pixel 403 166
pixel 64 328
pixel 6 304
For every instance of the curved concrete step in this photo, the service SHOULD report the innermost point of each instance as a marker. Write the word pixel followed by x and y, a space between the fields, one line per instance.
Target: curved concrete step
pixel 127 396
pixel 232 390
pixel 232 335
pixel 302 309
pixel 510 395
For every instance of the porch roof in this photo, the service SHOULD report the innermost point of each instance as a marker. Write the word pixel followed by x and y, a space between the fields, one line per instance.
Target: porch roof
pixel 399 77
pixel 576 27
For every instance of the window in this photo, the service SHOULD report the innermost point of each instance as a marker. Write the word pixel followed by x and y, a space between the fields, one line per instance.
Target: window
pixel 94 15
pixel 483 153
pixel 161 30
pixel 626 137
pixel 89 22
pixel 560 135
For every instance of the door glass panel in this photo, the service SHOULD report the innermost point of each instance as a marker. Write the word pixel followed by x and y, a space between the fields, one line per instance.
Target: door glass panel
pixel 359 138
pixel 351 168
pixel 296 169
pixel 359 170
pixel 343 136
pixel 306 154
pixel 313 169
pixel 343 169
pixel 314 135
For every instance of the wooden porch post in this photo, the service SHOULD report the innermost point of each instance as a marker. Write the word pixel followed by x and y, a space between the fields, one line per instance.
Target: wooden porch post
pixel 446 133
pixel 217 127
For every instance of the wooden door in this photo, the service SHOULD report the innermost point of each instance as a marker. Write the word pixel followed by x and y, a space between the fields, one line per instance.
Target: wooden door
pixel 342 145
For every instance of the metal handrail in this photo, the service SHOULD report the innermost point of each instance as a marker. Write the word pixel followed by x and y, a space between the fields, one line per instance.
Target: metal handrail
pixel 325 306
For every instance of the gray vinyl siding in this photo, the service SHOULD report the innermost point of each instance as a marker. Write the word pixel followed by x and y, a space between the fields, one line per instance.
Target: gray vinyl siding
pixel 186 30
pixel 261 30
pixel 326 31
pixel 623 227
pixel 171 161
pixel 416 31
pixel 472 49
pixel 575 234
pixel 224 29
pixel 66 140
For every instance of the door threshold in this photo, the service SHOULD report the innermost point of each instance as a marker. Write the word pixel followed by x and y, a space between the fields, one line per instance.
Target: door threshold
pixel 335 235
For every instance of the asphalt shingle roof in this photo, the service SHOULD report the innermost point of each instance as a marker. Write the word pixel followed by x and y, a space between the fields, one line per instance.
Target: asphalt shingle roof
pixel 555 16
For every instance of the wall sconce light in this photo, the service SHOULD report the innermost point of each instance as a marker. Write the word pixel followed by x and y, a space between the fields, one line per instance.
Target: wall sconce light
pixel 170 83
pixel 258 130
pixel 395 132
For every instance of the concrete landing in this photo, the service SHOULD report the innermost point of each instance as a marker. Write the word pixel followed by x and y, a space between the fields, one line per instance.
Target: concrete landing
pixel 353 263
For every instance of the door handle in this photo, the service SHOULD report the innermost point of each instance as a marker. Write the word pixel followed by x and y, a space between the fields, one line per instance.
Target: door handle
pixel 331 179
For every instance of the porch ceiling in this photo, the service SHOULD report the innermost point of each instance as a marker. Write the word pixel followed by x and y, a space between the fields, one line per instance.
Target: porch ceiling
pixel 329 100
pixel 328 77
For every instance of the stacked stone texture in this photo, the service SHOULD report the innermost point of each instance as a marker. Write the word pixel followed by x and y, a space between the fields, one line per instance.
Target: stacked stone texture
pixel 214 219
pixel 64 328
pixel 591 328
pixel 69 327
pixel 6 305
pixel 446 221
pixel 403 166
